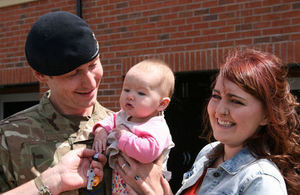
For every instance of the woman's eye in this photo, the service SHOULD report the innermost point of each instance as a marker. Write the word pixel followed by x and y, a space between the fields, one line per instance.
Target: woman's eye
pixel 215 96
pixel 237 102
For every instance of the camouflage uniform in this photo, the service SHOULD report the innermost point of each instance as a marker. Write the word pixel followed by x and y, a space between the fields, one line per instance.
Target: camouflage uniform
pixel 37 138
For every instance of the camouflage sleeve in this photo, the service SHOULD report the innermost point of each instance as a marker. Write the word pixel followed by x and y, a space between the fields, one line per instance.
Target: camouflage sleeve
pixel 7 181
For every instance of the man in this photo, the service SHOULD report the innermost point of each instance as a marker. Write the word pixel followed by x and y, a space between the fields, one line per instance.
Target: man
pixel 63 52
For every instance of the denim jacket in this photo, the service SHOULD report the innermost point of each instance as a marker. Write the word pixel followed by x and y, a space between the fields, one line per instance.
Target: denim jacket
pixel 242 174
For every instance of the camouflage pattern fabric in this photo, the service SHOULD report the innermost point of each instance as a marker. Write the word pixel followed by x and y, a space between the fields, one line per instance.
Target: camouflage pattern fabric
pixel 37 138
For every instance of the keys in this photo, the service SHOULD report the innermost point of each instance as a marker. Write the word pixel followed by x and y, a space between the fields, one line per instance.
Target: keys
pixel 95 157
pixel 93 180
pixel 90 175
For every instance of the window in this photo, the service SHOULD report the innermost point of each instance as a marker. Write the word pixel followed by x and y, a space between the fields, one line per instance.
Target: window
pixel 14 98
pixel 13 103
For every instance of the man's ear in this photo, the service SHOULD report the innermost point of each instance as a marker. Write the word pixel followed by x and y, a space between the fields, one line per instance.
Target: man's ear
pixel 164 103
pixel 40 77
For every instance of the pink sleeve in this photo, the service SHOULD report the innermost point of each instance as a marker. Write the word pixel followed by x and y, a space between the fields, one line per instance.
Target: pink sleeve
pixel 108 123
pixel 148 144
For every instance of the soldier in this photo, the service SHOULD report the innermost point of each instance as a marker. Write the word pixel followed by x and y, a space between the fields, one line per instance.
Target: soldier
pixel 63 53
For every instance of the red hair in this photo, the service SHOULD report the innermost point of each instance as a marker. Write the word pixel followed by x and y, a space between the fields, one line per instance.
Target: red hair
pixel 263 75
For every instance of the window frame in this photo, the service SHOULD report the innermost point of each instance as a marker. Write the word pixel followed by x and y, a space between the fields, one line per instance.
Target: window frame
pixel 6 3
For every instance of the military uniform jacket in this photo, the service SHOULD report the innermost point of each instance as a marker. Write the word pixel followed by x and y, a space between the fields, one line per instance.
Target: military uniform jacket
pixel 36 139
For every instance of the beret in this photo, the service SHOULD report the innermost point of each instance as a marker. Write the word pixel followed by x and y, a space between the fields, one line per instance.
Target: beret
pixel 59 42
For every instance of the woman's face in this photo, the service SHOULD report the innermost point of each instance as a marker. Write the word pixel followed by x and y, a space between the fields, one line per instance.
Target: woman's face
pixel 234 114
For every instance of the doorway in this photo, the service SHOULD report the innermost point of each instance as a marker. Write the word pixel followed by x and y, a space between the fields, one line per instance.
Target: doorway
pixel 184 117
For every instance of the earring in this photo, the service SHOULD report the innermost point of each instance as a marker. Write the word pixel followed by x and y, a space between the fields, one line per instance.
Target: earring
pixel 161 113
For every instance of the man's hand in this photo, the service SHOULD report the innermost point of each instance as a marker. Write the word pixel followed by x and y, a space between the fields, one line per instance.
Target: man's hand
pixel 73 168
pixel 68 174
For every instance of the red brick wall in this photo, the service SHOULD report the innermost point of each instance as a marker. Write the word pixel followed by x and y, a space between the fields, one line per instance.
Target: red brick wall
pixel 15 23
pixel 190 35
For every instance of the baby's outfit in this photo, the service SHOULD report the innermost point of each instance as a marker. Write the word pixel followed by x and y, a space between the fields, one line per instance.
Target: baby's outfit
pixel 145 143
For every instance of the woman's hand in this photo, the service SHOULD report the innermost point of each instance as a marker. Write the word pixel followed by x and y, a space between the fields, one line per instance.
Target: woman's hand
pixel 142 178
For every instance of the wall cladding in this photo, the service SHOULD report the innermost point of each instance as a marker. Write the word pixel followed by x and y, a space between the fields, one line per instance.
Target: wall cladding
pixel 191 35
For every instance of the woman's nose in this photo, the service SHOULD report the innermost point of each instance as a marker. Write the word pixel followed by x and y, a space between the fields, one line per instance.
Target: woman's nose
pixel 222 109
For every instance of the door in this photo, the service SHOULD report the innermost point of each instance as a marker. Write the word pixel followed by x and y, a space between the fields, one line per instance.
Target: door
pixel 184 117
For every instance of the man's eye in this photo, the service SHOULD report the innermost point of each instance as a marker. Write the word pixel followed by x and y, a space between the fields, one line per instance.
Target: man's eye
pixel 73 74
pixel 92 66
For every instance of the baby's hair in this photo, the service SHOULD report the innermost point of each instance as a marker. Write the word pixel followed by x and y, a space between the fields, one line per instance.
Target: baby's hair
pixel 163 69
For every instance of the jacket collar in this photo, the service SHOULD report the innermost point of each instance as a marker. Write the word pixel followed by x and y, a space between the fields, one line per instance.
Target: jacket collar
pixel 238 161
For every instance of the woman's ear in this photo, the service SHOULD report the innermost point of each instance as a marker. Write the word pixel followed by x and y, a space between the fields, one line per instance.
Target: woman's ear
pixel 164 103
pixel 264 121
pixel 40 77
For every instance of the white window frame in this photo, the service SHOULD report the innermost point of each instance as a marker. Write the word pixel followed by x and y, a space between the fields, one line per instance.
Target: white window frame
pixel 17 97
pixel 6 3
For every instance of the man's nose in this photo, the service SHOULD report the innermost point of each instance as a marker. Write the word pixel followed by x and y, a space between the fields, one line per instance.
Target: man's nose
pixel 88 79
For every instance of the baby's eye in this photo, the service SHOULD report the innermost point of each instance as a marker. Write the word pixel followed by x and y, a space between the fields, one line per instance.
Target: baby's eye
pixel 126 90
pixel 141 93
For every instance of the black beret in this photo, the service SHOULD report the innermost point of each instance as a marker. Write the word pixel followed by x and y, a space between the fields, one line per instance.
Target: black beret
pixel 59 42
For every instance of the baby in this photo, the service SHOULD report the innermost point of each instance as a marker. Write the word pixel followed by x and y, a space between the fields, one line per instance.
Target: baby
pixel 146 93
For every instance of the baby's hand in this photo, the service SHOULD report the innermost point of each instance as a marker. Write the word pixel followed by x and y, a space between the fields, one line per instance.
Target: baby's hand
pixel 120 130
pixel 100 140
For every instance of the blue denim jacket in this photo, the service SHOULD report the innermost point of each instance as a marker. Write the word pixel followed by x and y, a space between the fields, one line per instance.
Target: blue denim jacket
pixel 242 174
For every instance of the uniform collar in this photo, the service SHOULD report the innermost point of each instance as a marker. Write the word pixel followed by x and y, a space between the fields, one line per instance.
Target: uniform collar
pixel 47 109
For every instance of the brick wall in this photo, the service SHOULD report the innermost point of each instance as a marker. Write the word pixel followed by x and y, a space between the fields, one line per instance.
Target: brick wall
pixel 15 23
pixel 191 35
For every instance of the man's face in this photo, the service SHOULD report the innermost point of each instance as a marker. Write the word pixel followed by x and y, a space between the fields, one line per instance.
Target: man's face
pixel 75 93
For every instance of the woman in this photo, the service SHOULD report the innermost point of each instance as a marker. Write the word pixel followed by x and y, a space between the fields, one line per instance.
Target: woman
pixel 253 116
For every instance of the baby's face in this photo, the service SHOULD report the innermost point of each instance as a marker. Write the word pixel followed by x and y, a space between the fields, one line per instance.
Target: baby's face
pixel 141 95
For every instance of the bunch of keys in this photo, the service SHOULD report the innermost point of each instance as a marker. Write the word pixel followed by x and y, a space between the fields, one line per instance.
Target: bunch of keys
pixel 93 179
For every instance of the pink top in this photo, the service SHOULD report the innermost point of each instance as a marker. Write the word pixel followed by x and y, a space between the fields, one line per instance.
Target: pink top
pixel 146 141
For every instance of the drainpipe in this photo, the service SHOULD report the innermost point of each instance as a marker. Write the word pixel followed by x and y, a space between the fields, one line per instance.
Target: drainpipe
pixel 78 8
